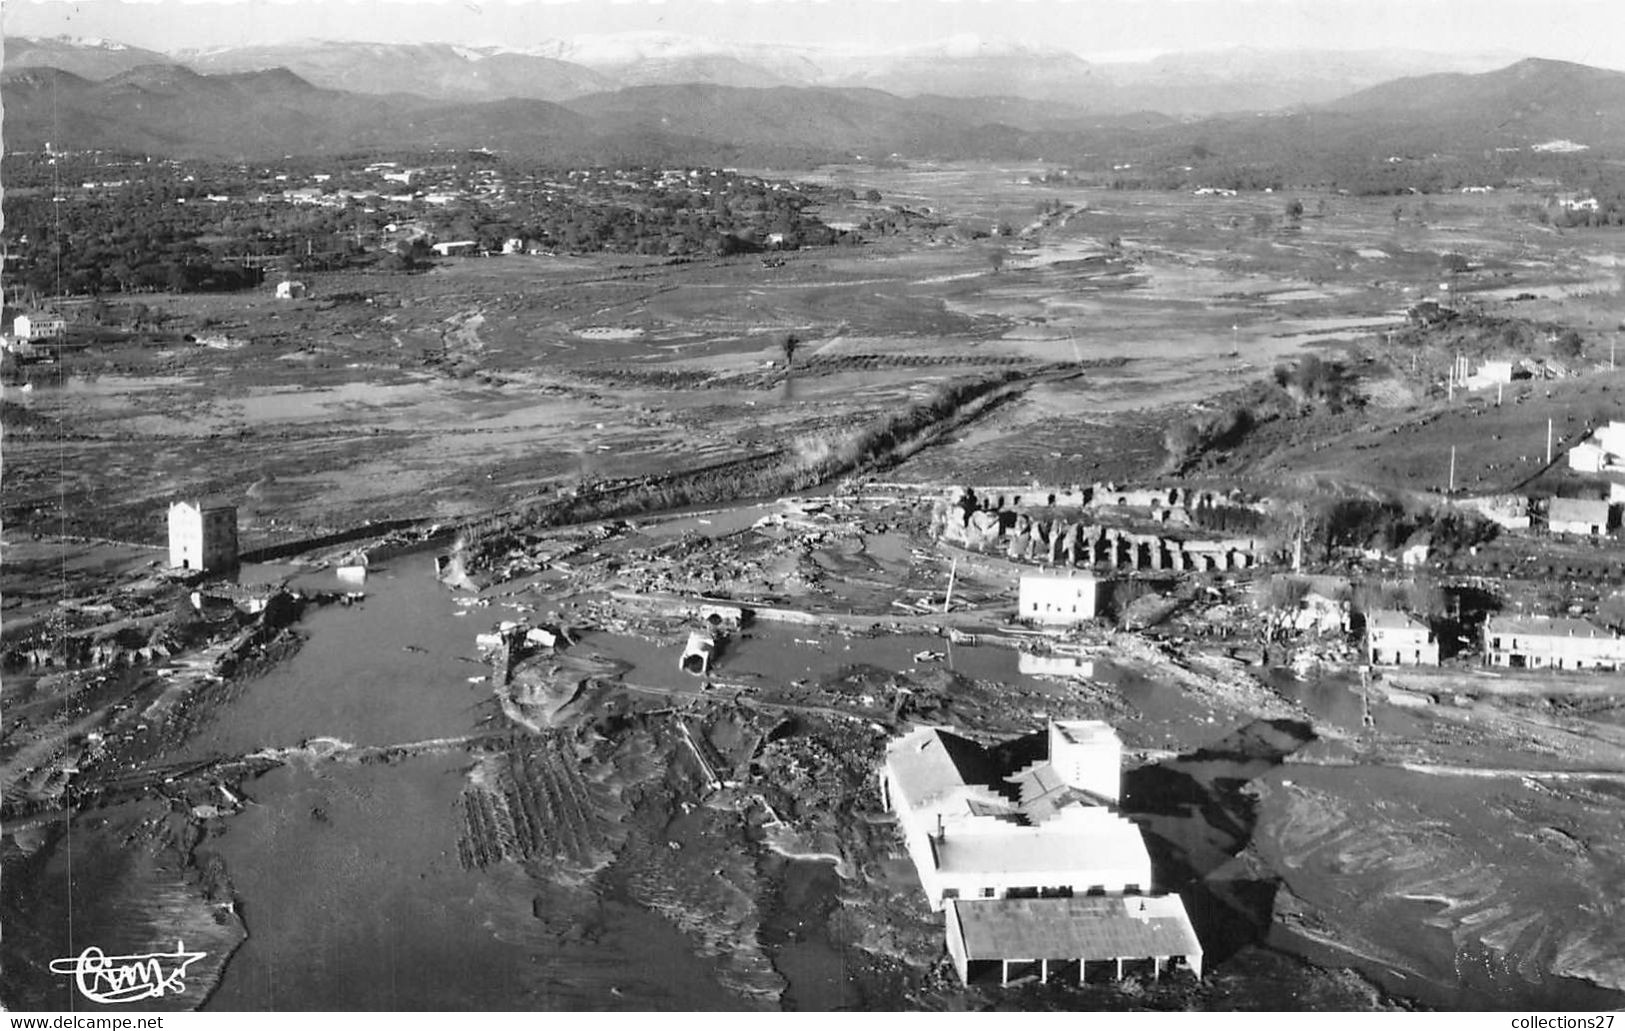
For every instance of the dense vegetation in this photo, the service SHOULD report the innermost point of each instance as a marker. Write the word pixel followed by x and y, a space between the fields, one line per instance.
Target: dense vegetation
pixel 91 224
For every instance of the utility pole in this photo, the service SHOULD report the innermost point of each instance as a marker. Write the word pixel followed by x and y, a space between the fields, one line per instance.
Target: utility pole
pixel 952 570
pixel 1548 442
pixel 1452 489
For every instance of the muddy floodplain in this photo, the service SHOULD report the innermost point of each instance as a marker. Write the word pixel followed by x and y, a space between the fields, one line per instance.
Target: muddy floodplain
pixel 641 838
pixel 344 798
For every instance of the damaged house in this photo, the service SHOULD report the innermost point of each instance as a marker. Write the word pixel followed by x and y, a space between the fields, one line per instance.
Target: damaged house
pixel 1547 642
pixel 1034 869
pixel 1394 638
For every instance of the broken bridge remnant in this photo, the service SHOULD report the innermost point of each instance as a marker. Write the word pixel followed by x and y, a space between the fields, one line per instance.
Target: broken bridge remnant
pixel 1075 527
pixel 698 653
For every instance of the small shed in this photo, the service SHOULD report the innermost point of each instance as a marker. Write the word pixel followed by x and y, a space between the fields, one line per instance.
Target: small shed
pixel 290 290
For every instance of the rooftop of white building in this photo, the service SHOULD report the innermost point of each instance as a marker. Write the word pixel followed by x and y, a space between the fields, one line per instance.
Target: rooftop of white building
pixel 1543 626
pixel 1076 927
pixel 1392 619
pixel 1078 837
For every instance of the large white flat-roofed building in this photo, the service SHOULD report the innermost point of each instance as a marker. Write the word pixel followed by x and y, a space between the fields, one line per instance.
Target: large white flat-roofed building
pixel 1056 599
pixel 1080 850
pixel 1550 642
pixel 1394 638
pixel 1072 940
pixel 203 535
pixel 1015 827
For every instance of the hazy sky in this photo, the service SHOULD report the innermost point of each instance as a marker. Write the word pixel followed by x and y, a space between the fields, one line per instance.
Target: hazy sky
pixel 1588 31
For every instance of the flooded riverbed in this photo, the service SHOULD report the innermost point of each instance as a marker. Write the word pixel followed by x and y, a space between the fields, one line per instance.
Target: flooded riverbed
pixel 347 873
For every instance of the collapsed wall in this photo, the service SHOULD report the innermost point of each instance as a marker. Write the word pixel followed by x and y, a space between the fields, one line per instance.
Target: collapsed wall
pixel 999 522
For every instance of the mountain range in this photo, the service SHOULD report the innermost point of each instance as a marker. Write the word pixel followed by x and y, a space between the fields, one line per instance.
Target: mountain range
pixel 965 66
pixel 172 109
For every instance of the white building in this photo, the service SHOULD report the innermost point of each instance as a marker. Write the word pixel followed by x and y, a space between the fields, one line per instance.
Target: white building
pixel 1062 939
pixel 39 327
pixel 290 290
pixel 1416 551
pixel 1489 374
pixel 1044 835
pixel 1087 755
pixel 1056 599
pixel 1394 638
pixel 1603 451
pixel 1546 642
pixel 454 247
pixel 1579 516
pixel 203 535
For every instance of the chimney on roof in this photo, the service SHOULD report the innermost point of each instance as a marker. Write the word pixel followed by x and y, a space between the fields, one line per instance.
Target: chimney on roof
pixel 942 833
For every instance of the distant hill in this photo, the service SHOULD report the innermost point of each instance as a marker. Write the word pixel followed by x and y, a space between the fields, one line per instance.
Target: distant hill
pixel 666 58
pixel 1525 103
pixel 852 122
pixel 1254 79
pixel 87 58
pixel 967 66
pixel 172 111
pixel 436 70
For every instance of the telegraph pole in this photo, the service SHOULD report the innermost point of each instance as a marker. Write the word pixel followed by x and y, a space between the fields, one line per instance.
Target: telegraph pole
pixel 1548 442
pixel 1452 489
